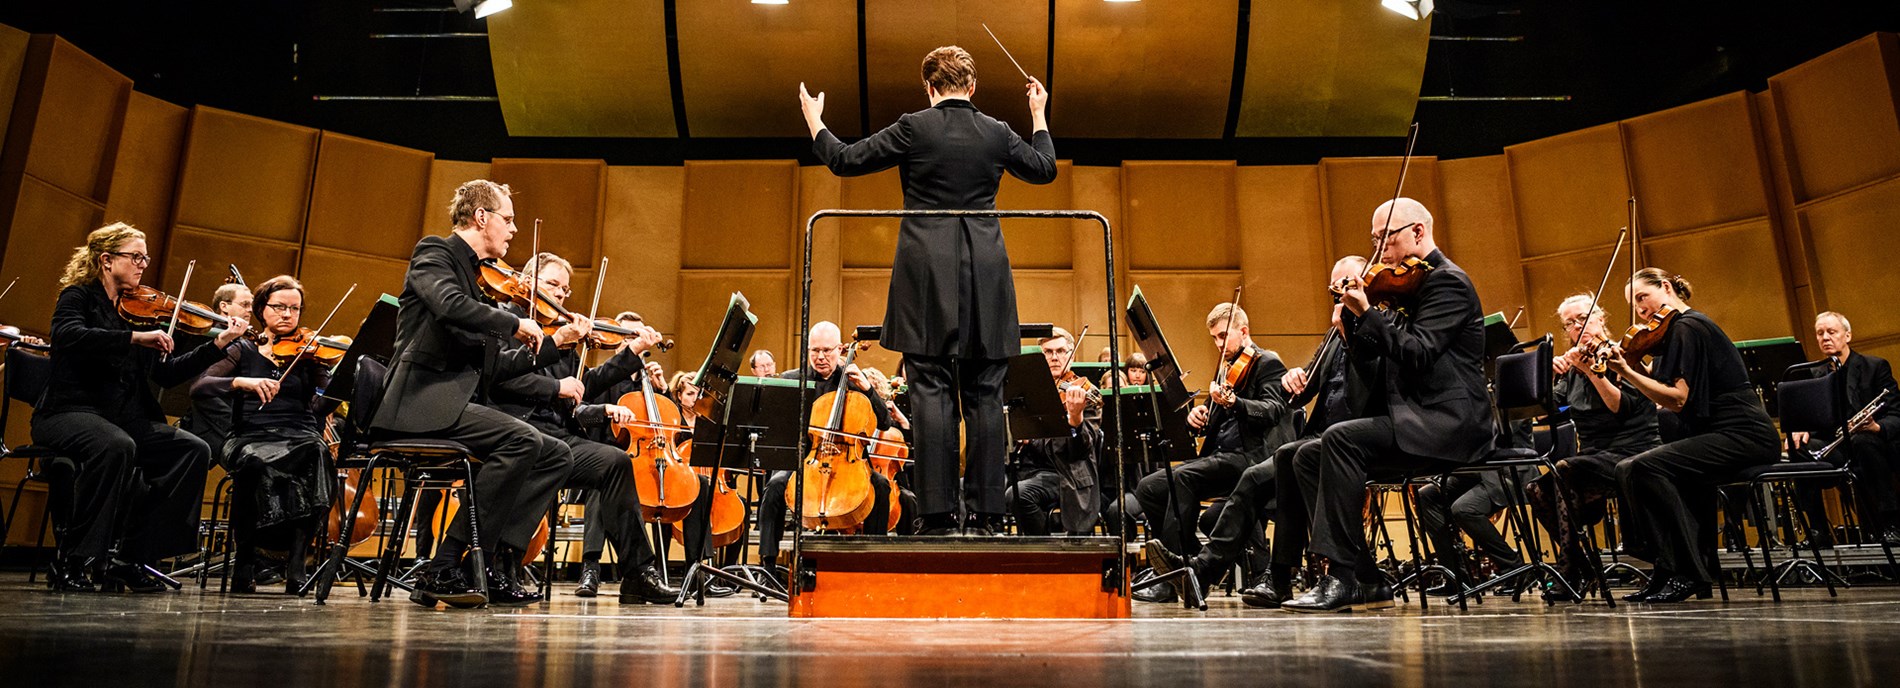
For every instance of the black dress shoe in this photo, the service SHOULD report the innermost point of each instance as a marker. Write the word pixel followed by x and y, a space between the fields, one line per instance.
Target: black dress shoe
pixel 1891 538
pixel 1160 559
pixel 1680 589
pixel 590 580
pixel 71 575
pixel 1657 581
pixel 133 578
pixel 447 585
pixel 1162 593
pixel 270 575
pixel 1560 594
pixel 1331 595
pixel 645 586
pixel 503 589
pixel 1372 597
pixel 1263 595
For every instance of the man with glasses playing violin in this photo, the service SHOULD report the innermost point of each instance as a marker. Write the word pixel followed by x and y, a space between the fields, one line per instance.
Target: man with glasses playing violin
pixel 1246 418
pixel 1060 471
pixel 1419 357
pixel 551 400
pixel 449 344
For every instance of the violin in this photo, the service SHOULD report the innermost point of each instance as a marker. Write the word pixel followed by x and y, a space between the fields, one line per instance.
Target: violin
pixel 505 284
pixel 837 472
pixel 1637 342
pixel 1071 380
pixel 666 483
pixel 148 307
pixel 327 351
pixel 726 520
pixel 888 455
pixel 1387 285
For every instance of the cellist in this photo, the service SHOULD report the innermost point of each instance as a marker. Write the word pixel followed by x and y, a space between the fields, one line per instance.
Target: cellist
pixel 550 399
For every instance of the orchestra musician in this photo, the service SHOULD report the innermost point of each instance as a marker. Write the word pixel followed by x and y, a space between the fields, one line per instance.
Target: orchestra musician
pixel 1670 490
pixel 551 400
pixel 447 331
pixel 1613 420
pixel 276 418
pixel 1419 360
pixel 134 497
pixel 593 534
pixel 1870 451
pixel 762 364
pixel 1258 497
pixel 210 416
pixel 1243 423
pixel 1060 471
pixel 952 304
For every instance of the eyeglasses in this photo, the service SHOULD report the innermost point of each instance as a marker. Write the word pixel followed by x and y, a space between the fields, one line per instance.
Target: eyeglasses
pixel 1377 237
pixel 822 350
pixel 282 308
pixel 562 289
pixel 510 219
pixel 139 259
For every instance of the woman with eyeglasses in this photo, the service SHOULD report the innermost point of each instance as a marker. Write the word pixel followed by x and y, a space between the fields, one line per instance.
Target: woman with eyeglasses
pixel 133 497
pixel 279 465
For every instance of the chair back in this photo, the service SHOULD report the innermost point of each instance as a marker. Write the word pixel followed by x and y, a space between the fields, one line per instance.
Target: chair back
pixel 1524 383
pixel 1808 404
pixel 365 397
pixel 27 375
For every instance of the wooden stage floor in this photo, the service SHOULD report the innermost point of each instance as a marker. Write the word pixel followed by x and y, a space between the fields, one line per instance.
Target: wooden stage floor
pixel 207 639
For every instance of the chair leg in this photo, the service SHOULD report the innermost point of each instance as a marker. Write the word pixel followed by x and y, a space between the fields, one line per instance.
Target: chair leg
pixel 1767 541
pixel 1418 553
pixel 392 549
pixel 339 547
pixel 478 560
pixel 39 541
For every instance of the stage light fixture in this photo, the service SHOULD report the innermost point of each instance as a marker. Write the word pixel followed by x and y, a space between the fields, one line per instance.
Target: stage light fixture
pixel 488 7
pixel 1411 9
pixel 771 2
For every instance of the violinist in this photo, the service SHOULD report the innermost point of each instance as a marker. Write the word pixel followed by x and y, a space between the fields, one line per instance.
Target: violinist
pixel 1415 361
pixel 1258 497
pixel 447 328
pixel 762 364
pixel 1670 490
pixel 1246 418
pixel 1060 471
pixel 1869 451
pixel 887 389
pixel 550 400
pixel 210 416
pixel 1613 421
pixel 822 365
pixel 275 438
pixel 135 497
pixel 1133 372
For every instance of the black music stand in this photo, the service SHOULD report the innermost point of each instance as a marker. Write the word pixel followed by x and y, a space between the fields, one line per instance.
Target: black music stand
pixel 761 429
pixel 1164 372
pixel 1166 398
pixel 1766 361
pixel 1032 409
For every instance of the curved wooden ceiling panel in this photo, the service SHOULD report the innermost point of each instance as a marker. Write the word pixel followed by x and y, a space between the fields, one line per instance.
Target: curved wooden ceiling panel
pixel 1331 69
pixel 584 68
pixel 740 65
pixel 898 33
pixel 1142 69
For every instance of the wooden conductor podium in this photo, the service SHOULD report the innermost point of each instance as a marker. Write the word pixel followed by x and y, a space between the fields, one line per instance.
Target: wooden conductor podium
pixel 961 577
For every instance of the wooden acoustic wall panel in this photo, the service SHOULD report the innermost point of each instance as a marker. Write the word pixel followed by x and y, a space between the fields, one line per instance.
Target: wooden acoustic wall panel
pixel 1550 280
pixel 1735 272
pixel 76 126
pixel 13 46
pixel 703 295
pixel 740 65
pixel 1180 216
pixel 864 300
pixel 259 259
pixel 368 197
pixel 246 175
pixel 568 196
pixel 742 214
pixel 145 177
pixel 641 241
pixel 1846 232
pixel 898 33
pixel 1483 239
pixel 328 273
pixel 47 223
pixel 1352 188
pixel 1146 69
pixel 1284 258
pixel 1838 115
pixel 1571 190
pixel 1697 165
pixel 445 176
pixel 864 242
pixel 585 68
pixel 1042 244
pixel 1181 301
pixel 1331 69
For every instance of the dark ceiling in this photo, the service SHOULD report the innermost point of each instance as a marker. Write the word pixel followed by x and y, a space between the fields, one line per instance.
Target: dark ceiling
pixel 274 58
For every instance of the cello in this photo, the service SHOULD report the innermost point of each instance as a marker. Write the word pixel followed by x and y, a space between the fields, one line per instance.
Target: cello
pixel 726 521
pixel 889 453
pixel 667 485
pixel 837 474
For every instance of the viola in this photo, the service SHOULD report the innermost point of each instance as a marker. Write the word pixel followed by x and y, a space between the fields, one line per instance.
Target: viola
pixel 327 351
pixel 1637 342
pixel 837 472
pixel 726 520
pixel 505 284
pixel 1070 380
pixel 148 307
pixel 666 483
pixel 889 452
pixel 1388 285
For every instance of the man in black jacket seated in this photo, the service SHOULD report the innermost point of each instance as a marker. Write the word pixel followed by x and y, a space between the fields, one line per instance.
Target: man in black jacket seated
pixel 1426 410
pixel 550 400
pixel 1872 449
pixel 1242 426
pixel 1059 471
pixel 1258 497
pixel 448 344
pixel 822 365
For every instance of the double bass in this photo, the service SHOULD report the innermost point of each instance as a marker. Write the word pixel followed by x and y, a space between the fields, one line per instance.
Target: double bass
pixel 837 471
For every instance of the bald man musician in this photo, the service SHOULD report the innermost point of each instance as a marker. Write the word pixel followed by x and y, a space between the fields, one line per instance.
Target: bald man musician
pixel 952 305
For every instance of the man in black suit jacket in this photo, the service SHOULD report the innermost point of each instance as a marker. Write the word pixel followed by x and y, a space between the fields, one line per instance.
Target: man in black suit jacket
pixel 1426 412
pixel 952 305
pixel 449 340
pixel 1872 449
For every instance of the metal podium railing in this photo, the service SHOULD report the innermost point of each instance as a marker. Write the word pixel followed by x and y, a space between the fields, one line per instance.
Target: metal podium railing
pixel 795 585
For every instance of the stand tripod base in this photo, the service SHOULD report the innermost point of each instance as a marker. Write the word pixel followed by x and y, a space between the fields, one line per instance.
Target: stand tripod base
pixel 963 577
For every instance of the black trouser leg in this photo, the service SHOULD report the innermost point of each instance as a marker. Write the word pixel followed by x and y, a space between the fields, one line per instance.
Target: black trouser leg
pixel 613 504
pixel 980 384
pixel 1293 516
pixel 1204 478
pixel 1239 524
pixel 138 485
pixel 935 433
pixel 516 481
pixel 1355 449
pixel 1033 498
pixel 1672 490
pixel 772 515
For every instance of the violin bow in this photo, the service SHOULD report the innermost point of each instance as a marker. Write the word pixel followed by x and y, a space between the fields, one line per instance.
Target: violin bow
pixel 1075 346
pixel 1405 165
pixel 1519 314
pixel 178 304
pixel 600 278
pixel 319 331
pixel 9 289
pixel 1590 312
